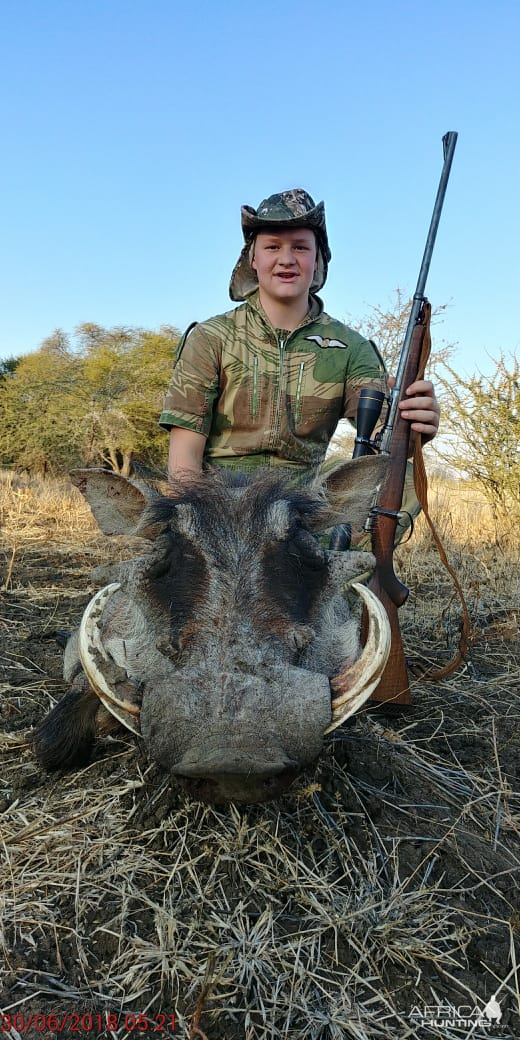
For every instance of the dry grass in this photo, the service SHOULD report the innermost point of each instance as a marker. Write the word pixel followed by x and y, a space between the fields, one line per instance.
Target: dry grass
pixel 487 564
pixel 50 514
pixel 34 510
pixel 387 880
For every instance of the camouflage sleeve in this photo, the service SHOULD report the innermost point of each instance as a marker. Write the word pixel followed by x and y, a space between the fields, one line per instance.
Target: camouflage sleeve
pixel 194 385
pixel 366 370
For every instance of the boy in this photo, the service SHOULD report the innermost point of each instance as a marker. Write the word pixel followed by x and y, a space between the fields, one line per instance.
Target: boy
pixel 266 383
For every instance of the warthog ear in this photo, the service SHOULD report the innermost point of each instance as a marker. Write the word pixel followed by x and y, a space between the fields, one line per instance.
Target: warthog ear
pixel 116 502
pixel 350 489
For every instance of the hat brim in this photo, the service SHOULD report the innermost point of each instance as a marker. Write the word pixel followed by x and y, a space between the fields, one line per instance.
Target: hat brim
pixel 313 218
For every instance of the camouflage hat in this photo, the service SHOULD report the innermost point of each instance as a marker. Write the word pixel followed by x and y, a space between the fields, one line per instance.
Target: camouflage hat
pixel 285 211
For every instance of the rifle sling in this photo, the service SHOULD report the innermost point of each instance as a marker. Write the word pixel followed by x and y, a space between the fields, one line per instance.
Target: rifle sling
pixel 421 489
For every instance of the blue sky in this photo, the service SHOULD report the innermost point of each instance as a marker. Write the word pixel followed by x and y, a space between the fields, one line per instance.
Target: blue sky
pixel 132 130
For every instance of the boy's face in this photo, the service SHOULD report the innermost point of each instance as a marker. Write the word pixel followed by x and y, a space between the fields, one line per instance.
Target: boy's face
pixel 285 263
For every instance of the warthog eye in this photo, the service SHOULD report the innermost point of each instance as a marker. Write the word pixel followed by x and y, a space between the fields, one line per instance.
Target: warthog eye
pixel 176 580
pixel 294 573
pixel 309 548
pixel 160 561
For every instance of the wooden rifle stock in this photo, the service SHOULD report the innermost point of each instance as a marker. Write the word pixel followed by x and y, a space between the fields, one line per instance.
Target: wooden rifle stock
pixel 393 687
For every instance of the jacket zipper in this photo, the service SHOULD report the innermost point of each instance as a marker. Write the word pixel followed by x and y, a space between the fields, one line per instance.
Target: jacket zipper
pixel 254 401
pixel 278 404
pixel 297 396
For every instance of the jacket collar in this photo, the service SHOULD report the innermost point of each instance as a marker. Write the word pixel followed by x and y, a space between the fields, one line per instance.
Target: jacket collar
pixel 315 310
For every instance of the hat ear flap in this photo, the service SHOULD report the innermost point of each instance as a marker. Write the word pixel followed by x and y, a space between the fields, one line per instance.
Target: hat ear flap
pixel 243 279
pixel 320 271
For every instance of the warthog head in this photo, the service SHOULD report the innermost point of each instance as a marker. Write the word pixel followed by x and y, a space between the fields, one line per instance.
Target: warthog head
pixel 228 645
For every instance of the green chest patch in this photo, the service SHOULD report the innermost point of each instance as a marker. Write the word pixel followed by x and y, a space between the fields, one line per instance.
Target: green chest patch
pixel 330 364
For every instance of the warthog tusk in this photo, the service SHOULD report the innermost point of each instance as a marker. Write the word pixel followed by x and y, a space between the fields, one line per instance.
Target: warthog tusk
pixel 91 649
pixel 355 683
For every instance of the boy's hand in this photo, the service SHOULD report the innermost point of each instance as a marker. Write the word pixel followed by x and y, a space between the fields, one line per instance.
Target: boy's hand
pixel 421 407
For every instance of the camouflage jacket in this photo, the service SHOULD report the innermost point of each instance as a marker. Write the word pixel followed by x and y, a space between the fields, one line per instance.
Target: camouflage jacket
pixel 264 395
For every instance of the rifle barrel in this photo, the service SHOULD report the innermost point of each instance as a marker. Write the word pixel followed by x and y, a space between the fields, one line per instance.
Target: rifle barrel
pixel 449 141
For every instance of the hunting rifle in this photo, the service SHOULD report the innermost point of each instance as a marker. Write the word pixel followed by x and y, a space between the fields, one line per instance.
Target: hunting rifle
pixel 394 441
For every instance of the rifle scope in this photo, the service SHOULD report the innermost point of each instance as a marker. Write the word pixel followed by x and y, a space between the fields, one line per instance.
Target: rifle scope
pixel 368 412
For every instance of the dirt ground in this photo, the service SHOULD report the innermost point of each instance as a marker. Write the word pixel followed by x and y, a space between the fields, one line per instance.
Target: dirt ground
pixel 378 898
